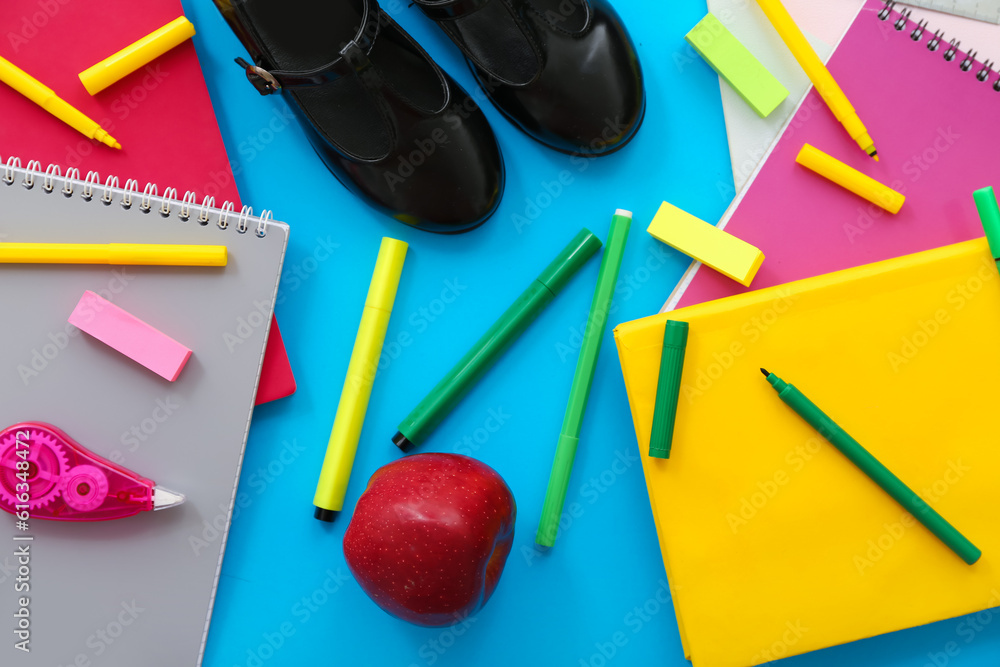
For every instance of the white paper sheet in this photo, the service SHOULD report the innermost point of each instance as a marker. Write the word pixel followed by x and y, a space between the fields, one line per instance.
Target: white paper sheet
pixel 982 10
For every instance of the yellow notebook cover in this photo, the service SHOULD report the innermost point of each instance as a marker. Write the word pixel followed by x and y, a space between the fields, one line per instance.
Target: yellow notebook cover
pixel 774 543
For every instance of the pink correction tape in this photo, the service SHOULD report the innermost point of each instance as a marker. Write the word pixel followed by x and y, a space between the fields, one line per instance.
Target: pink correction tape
pixel 51 476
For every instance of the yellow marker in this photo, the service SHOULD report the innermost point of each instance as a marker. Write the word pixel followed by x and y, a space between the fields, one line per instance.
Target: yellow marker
pixel 706 243
pixel 817 72
pixel 43 96
pixel 354 397
pixel 135 55
pixel 850 178
pixel 113 253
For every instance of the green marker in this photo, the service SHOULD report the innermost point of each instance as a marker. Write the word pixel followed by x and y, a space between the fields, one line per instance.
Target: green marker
pixel 668 387
pixel 460 379
pixel 989 213
pixel 586 364
pixel 877 472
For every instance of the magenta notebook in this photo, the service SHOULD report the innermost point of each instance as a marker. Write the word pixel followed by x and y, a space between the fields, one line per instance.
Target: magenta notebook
pixel 932 112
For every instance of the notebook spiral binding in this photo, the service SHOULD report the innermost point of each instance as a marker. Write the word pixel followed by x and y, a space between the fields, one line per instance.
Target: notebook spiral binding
pixel 147 201
pixel 936 42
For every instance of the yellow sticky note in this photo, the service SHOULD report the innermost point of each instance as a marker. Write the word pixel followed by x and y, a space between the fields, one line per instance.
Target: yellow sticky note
pixel 734 63
pixel 706 243
pixel 850 178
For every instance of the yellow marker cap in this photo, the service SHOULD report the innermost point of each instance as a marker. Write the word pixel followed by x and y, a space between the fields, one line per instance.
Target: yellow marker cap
pixel 706 243
pixel 850 178
pixel 385 280
pixel 116 67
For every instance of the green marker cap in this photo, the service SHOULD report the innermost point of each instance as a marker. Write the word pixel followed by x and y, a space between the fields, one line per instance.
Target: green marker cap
pixel 989 213
pixel 562 269
pixel 668 387
pixel 675 334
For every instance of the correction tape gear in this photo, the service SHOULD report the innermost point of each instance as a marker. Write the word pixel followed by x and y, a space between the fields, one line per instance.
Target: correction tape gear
pixel 63 480
pixel 84 488
pixel 46 462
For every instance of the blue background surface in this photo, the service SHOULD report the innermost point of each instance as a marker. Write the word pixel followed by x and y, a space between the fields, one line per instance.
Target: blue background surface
pixel 605 575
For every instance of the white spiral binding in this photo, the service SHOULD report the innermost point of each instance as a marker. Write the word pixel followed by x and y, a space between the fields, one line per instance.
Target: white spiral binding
pixel 109 186
pixel 51 173
pixel 206 204
pixel 72 175
pixel 131 188
pixel 170 194
pixel 148 199
pixel 262 221
pixel 185 213
pixel 245 213
pixel 34 167
pixel 93 178
pixel 227 208
pixel 146 205
pixel 986 68
pixel 8 172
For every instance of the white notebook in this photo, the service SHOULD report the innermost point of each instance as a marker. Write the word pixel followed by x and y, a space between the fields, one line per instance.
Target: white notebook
pixel 139 590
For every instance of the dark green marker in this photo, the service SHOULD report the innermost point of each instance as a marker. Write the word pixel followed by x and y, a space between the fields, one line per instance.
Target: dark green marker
pixel 878 473
pixel 461 378
pixel 989 213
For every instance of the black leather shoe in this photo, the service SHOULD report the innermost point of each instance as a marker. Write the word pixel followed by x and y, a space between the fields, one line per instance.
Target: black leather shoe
pixel 387 121
pixel 564 71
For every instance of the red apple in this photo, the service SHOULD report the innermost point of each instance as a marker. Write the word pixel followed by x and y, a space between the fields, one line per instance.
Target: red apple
pixel 430 536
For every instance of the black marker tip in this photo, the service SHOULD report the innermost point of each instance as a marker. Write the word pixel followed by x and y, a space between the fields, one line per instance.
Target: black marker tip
pixel 766 374
pixel 401 441
pixel 324 514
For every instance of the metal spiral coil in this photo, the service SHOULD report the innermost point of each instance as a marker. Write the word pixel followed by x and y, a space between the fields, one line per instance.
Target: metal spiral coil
pixel 166 205
pixel 968 63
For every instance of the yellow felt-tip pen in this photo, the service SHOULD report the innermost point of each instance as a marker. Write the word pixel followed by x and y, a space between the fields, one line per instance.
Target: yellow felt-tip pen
pixel 343 445
pixel 817 72
pixel 119 65
pixel 119 254
pixel 44 97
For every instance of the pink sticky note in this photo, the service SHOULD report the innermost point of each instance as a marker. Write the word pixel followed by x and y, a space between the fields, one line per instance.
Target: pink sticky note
pixel 129 335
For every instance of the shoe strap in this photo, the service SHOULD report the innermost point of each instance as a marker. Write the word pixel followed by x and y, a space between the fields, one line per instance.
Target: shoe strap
pixel 498 41
pixel 353 60
pixel 450 9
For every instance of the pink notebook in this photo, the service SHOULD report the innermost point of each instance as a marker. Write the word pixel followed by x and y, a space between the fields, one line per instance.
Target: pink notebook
pixel 161 114
pixel 935 125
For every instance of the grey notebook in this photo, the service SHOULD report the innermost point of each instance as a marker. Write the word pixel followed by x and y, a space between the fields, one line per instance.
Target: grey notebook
pixel 139 590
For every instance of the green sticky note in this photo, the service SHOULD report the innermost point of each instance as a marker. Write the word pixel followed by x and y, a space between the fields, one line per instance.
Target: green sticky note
pixel 737 65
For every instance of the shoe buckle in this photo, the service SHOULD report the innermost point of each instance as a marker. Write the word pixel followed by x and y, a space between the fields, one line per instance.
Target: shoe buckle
pixel 262 80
